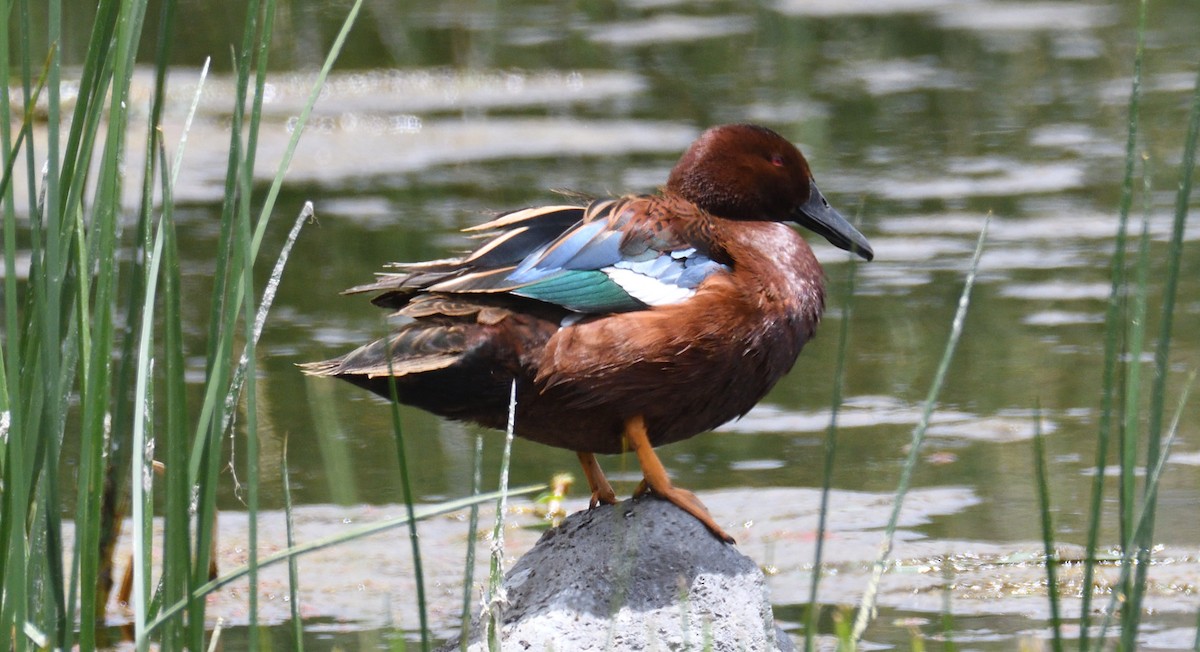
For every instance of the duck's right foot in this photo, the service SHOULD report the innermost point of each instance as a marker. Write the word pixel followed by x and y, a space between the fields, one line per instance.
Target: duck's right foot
pixel 602 491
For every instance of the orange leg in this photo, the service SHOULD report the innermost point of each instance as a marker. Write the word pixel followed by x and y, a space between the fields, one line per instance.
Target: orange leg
pixel 602 492
pixel 656 479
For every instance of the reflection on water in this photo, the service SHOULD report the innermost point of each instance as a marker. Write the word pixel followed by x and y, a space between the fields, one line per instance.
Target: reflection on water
pixel 921 118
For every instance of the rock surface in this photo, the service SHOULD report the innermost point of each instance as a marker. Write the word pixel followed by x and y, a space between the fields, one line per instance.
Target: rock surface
pixel 639 575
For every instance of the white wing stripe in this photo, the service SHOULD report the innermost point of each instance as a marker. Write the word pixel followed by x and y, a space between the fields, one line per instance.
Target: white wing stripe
pixel 648 289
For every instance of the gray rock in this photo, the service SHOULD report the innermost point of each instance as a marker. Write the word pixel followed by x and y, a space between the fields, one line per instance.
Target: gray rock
pixel 639 575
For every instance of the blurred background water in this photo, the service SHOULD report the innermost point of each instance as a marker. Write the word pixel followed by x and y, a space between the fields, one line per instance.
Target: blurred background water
pixel 919 117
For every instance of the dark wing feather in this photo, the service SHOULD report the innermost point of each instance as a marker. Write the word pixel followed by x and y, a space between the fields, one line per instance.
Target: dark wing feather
pixel 475 322
pixel 561 255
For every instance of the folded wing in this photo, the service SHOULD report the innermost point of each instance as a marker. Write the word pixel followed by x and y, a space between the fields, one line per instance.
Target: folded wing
pixel 610 256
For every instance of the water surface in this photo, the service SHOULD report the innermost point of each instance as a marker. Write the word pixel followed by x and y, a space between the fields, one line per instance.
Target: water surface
pixel 920 118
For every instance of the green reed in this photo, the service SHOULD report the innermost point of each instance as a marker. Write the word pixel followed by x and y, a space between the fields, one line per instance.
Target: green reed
pixel 493 619
pixel 59 326
pixel 421 514
pixel 1112 329
pixel 1155 449
pixel 1138 515
pixel 410 508
pixel 867 607
pixel 67 358
pixel 810 627
pixel 472 538
pixel 1125 342
pixel 1043 490
pixel 24 396
pixel 293 569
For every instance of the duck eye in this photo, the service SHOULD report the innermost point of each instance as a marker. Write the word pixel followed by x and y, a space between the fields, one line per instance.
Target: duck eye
pixel 777 160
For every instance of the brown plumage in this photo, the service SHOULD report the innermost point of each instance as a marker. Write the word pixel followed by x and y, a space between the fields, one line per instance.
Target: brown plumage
pixel 626 324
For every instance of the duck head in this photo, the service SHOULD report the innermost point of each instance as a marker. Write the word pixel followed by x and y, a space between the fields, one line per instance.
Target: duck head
pixel 748 172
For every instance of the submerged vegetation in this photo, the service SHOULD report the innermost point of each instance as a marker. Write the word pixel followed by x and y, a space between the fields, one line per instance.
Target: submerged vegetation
pixel 93 357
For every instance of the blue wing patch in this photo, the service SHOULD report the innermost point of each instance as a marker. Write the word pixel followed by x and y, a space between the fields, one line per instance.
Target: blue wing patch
pixel 669 278
pixel 589 247
pixel 587 260
pixel 585 291
pixel 625 285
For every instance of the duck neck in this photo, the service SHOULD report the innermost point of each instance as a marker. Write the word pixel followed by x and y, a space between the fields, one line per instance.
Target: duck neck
pixel 779 269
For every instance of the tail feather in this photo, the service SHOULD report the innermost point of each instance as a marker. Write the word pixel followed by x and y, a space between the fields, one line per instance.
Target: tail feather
pixel 417 347
pixel 466 334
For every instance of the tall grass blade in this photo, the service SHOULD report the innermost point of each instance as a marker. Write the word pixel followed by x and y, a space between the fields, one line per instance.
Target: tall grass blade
pixel 199 593
pixel 947 619
pixel 241 371
pixel 293 570
pixel 205 458
pixel 246 287
pixel 142 475
pixel 246 290
pixel 1043 488
pixel 1162 349
pixel 214 644
pixel 162 262
pixel 472 537
pixel 188 120
pixel 1112 330
pixel 492 616
pixel 1151 494
pixel 177 553
pixel 97 77
pixel 232 297
pixel 409 500
pixel 261 52
pixel 44 365
pixel 110 496
pixel 95 252
pixel 1131 413
pixel 204 455
pixel 866 610
pixel 175 539
pixel 175 379
pixel 253 330
pixel 9 363
pixel 141 478
pixel 81 270
pixel 56 368
pixel 115 492
pixel 1154 474
pixel 10 161
pixel 810 628
pixel 31 166
pixel 218 344
pixel 19 413
pixel 244 374
pixel 1171 282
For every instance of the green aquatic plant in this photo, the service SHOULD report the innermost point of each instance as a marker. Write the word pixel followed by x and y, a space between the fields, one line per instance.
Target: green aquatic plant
pixel 867 606
pixel 1051 557
pixel 810 628
pixel 1125 322
pixel 74 373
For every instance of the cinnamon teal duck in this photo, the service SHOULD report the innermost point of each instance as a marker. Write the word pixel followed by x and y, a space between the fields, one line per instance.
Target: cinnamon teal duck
pixel 627 323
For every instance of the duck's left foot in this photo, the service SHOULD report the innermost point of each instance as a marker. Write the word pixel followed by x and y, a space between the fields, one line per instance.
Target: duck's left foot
pixel 656 479
pixel 688 502
pixel 602 491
